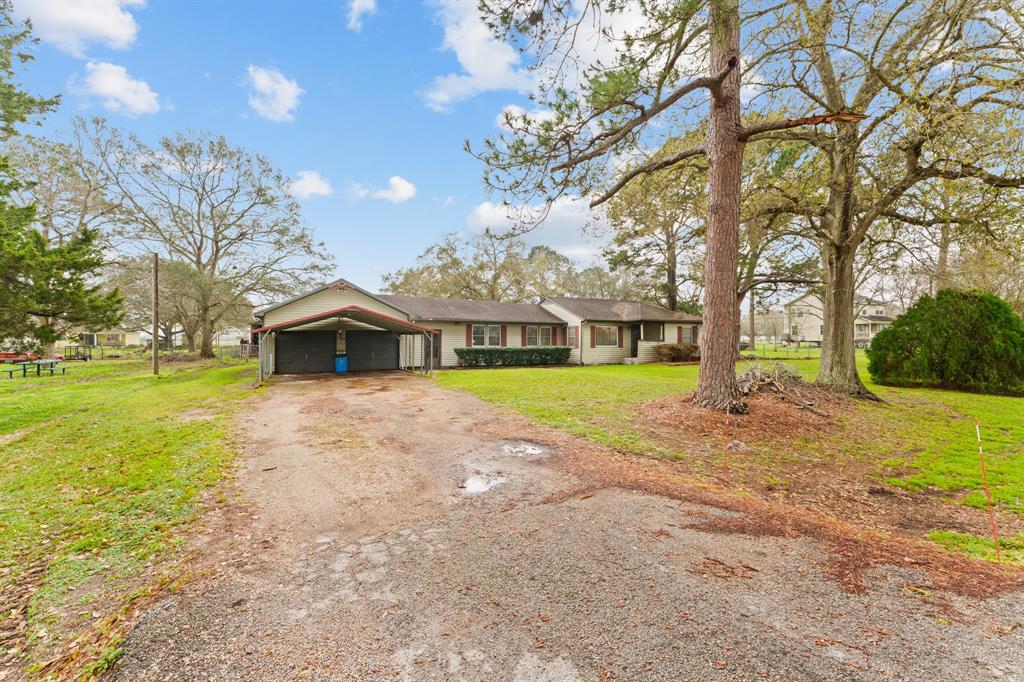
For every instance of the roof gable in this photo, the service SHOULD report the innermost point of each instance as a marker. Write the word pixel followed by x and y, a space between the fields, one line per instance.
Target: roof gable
pixel 340 283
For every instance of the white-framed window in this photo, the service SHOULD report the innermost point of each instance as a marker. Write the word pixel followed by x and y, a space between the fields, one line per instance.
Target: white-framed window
pixel 538 336
pixel 879 311
pixel 606 336
pixel 486 334
pixel 571 337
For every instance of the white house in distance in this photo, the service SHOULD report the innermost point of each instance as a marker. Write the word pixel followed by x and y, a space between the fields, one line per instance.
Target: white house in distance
pixel 804 322
pixel 386 331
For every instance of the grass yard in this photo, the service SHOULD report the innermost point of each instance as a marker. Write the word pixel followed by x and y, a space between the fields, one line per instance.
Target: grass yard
pixel 919 440
pixel 782 352
pixel 101 470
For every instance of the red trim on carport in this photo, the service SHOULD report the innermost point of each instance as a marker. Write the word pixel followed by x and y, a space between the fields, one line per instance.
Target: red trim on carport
pixel 339 312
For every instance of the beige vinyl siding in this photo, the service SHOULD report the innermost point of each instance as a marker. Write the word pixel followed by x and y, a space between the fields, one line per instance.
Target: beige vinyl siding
pixel 410 350
pixel 328 299
pixel 672 332
pixel 571 320
pixel 604 355
pixel 453 335
pixel 645 351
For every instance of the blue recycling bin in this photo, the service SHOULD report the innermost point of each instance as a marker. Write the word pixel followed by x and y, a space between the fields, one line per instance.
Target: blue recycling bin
pixel 340 363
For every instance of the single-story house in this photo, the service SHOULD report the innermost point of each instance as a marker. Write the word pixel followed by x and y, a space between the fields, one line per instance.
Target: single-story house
pixel 389 331
pixel 117 337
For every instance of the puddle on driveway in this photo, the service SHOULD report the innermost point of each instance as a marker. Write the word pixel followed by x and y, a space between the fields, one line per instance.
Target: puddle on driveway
pixel 525 449
pixel 481 483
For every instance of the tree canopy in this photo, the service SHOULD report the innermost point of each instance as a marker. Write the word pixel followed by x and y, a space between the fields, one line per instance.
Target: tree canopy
pixel 198 200
pixel 492 267
pixel 46 288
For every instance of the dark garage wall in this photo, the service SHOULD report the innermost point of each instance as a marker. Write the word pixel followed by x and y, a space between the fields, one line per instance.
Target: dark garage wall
pixel 305 352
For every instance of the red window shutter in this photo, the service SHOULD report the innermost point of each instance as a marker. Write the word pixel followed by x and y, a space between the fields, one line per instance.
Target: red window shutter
pixel 679 334
pixel 593 336
pixel 504 334
pixel 576 341
pixel 469 335
pixel 524 335
pixel 621 336
pixel 554 336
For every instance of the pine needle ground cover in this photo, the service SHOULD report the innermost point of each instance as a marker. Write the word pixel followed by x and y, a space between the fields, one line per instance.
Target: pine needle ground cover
pixel 914 455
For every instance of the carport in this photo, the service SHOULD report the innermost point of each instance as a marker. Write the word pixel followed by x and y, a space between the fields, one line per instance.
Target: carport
pixel 373 341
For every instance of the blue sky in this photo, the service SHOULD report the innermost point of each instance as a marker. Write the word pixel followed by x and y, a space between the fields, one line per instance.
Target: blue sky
pixel 349 94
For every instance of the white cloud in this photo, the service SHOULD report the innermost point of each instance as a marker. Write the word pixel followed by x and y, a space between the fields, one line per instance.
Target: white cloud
pixel 357 9
pixel 487 64
pixel 563 229
pixel 399 190
pixel 309 184
pixel 119 91
pixel 70 25
pixel 447 201
pixel 356 190
pixel 274 96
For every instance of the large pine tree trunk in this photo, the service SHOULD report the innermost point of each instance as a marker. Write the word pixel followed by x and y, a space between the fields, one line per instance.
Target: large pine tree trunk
pixel 717 388
pixel 838 357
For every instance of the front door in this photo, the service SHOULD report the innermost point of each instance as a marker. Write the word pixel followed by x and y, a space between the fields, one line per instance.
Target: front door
pixel 634 340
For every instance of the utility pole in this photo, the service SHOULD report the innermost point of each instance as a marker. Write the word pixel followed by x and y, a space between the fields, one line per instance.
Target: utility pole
pixel 156 314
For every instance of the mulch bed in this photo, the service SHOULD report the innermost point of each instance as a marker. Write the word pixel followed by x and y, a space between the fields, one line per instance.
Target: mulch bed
pixel 769 417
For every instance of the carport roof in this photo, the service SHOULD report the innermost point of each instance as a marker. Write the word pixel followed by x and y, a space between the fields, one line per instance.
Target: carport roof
pixel 352 312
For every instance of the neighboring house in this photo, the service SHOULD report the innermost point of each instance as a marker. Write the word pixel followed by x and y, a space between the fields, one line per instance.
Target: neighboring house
pixel 387 331
pixel 804 319
pixel 116 337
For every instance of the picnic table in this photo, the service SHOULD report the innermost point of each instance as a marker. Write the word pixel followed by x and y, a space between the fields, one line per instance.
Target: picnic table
pixel 50 365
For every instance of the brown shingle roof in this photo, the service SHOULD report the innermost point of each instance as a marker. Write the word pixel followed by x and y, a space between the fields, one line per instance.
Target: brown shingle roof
pixel 455 310
pixel 604 310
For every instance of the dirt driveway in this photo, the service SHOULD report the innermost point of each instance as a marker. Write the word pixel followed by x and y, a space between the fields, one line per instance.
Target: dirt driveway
pixel 396 530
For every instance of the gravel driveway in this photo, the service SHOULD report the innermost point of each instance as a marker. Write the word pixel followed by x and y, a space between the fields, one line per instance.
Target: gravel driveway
pixel 390 529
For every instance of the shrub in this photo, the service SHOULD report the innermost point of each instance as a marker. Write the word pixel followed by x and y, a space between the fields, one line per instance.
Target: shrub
pixel 494 356
pixel 677 352
pixel 958 339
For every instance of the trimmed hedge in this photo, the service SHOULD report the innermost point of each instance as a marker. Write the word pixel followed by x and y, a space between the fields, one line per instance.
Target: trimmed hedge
pixel 967 340
pixel 677 352
pixel 504 356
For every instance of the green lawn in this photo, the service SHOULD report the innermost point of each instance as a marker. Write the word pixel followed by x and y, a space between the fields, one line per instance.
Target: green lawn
pixel 101 469
pixel 916 439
